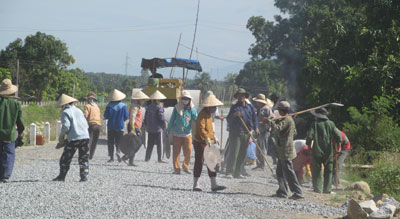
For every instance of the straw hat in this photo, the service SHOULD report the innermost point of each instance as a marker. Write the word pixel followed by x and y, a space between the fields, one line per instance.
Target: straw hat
pixel 7 88
pixel 320 113
pixel 186 94
pixel 65 99
pixel 212 157
pixel 91 95
pixel 261 99
pixel 157 95
pixel 211 101
pixel 139 95
pixel 116 95
pixel 241 91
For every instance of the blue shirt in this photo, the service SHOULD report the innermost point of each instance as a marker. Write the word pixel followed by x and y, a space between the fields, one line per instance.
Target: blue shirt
pixel 74 123
pixel 248 114
pixel 117 114
pixel 182 125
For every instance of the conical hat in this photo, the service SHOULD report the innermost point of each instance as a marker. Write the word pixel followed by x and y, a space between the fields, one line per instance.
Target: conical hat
pixel 116 95
pixel 211 101
pixel 65 99
pixel 7 88
pixel 212 156
pixel 157 95
pixel 139 95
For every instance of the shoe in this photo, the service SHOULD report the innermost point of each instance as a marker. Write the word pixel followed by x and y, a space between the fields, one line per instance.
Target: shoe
pixel 228 176
pixel 5 180
pixel 176 172
pixel 278 196
pixel 197 189
pixel 161 161
pixel 258 169
pixel 118 157
pixel 125 159
pixel 218 188
pixel 59 178
pixel 132 165
pixel 85 179
pixel 110 160
pixel 296 197
pixel 239 177
pixel 246 174
pixel 187 171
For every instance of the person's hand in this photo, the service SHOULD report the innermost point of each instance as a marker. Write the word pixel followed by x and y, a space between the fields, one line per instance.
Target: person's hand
pixel 61 143
pixel 208 142
pixel 216 141
pixel 257 132
pixel 237 114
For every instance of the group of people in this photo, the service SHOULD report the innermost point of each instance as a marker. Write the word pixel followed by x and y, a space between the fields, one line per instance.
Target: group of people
pixel 268 122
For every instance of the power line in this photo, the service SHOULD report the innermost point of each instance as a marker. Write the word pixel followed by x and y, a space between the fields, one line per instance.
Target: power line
pixel 214 57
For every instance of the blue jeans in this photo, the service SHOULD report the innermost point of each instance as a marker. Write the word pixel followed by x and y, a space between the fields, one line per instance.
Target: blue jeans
pixel 7 158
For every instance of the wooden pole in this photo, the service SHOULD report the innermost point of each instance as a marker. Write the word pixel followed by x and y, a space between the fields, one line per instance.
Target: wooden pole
pixel 176 53
pixel 222 128
pixel 308 110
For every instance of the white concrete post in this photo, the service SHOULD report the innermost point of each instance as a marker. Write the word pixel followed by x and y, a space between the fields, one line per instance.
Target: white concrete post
pixel 58 129
pixel 46 132
pixel 104 126
pixel 32 137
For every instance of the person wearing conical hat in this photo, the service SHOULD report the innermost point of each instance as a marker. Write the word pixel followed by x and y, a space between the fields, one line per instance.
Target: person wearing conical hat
pixel 203 137
pixel 135 122
pixel 182 118
pixel 154 120
pixel 75 127
pixel 264 112
pixel 238 134
pixel 11 116
pixel 116 113
pixel 93 117
pixel 322 131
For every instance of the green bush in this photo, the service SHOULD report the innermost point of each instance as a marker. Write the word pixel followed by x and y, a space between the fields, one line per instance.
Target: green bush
pixel 373 130
pixel 385 176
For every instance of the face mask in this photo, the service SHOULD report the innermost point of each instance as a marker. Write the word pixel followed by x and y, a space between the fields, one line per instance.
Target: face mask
pixel 213 109
pixel 185 102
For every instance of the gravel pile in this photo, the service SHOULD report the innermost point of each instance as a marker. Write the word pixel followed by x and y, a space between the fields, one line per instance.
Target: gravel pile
pixel 149 190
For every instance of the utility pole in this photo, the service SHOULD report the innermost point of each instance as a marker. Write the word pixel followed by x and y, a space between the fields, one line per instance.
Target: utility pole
pixel 16 93
pixel 176 53
pixel 194 36
pixel 126 64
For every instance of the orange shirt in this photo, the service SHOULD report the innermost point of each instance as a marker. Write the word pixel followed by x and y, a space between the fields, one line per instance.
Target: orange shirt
pixel 92 114
pixel 204 128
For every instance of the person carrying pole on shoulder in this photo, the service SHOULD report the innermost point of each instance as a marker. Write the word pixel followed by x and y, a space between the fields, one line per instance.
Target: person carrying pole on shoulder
pixel 183 115
pixel 92 115
pixel 116 113
pixel 75 127
pixel 10 116
pixel 285 130
pixel 322 132
pixel 238 135
pixel 203 137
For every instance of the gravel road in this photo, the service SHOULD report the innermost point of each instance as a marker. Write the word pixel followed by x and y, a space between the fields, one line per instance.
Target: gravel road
pixel 150 190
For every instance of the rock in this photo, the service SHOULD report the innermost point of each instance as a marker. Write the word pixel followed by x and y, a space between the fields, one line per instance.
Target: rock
pixel 393 202
pixel 361 186
pixel 354 211
pixel 385 211
pixel 368 206
pixel 380 197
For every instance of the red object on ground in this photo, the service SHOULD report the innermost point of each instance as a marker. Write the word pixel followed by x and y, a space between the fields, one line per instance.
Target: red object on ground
pixel 39 140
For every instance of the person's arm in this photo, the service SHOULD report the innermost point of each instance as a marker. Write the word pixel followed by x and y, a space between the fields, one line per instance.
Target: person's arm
pixel 194 114
pixel 125 111
pixel 20 121
pixel 86 112
pixel 107 112
pixel 255 119
pixel 310 135
pixel 280 125
pixel 66 124
pixel 202 130
pixel 133 113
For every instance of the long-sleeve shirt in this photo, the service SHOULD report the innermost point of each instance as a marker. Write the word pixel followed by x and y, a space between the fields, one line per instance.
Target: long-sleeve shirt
pixel 117 114
pixel 284 130
pixel 264 112
pixel 92 114
pixel 323 132
pixel 154 118
pixel 10 115
pixel 74 124
pixel 135 116
pixel 182 124
pixel 204 128
pixel 248 114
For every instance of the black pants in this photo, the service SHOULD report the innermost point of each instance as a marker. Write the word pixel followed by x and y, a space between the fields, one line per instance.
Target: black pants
pixel 94 132
pixel 153 138
pixel 286 176
pixel 114 137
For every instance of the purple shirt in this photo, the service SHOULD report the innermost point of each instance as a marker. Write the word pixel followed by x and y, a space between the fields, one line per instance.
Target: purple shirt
pixel 154 118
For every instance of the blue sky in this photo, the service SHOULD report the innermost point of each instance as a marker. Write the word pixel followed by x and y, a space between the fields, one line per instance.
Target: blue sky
pixel 100 33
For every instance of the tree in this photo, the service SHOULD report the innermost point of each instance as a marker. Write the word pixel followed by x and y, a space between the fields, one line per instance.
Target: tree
pixel 4 74
pixel 127 85
pixel 230 81
pixel 42 57
pixel 203 82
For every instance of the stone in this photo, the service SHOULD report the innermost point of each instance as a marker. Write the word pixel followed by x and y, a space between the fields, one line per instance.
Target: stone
pixel 380 197
pixel 354 211
pixel 368 206
pixel 361 186
pixel 385 211
pixel 393 202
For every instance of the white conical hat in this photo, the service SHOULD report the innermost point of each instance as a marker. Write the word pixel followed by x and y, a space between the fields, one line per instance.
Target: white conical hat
pixel 65 99
pixel 139 95
pixel 157 95
pixel 211 101
pixel 116 95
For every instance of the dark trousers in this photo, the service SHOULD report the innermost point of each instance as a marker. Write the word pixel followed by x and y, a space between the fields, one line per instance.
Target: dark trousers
pixel 94 132
pixel 152 139
pixel 262 141
pixel 316 167
pixel 114 137
pixel 83 158
pixel 7 158
pixel 286 176
pixel 199 160
pixel 239 143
